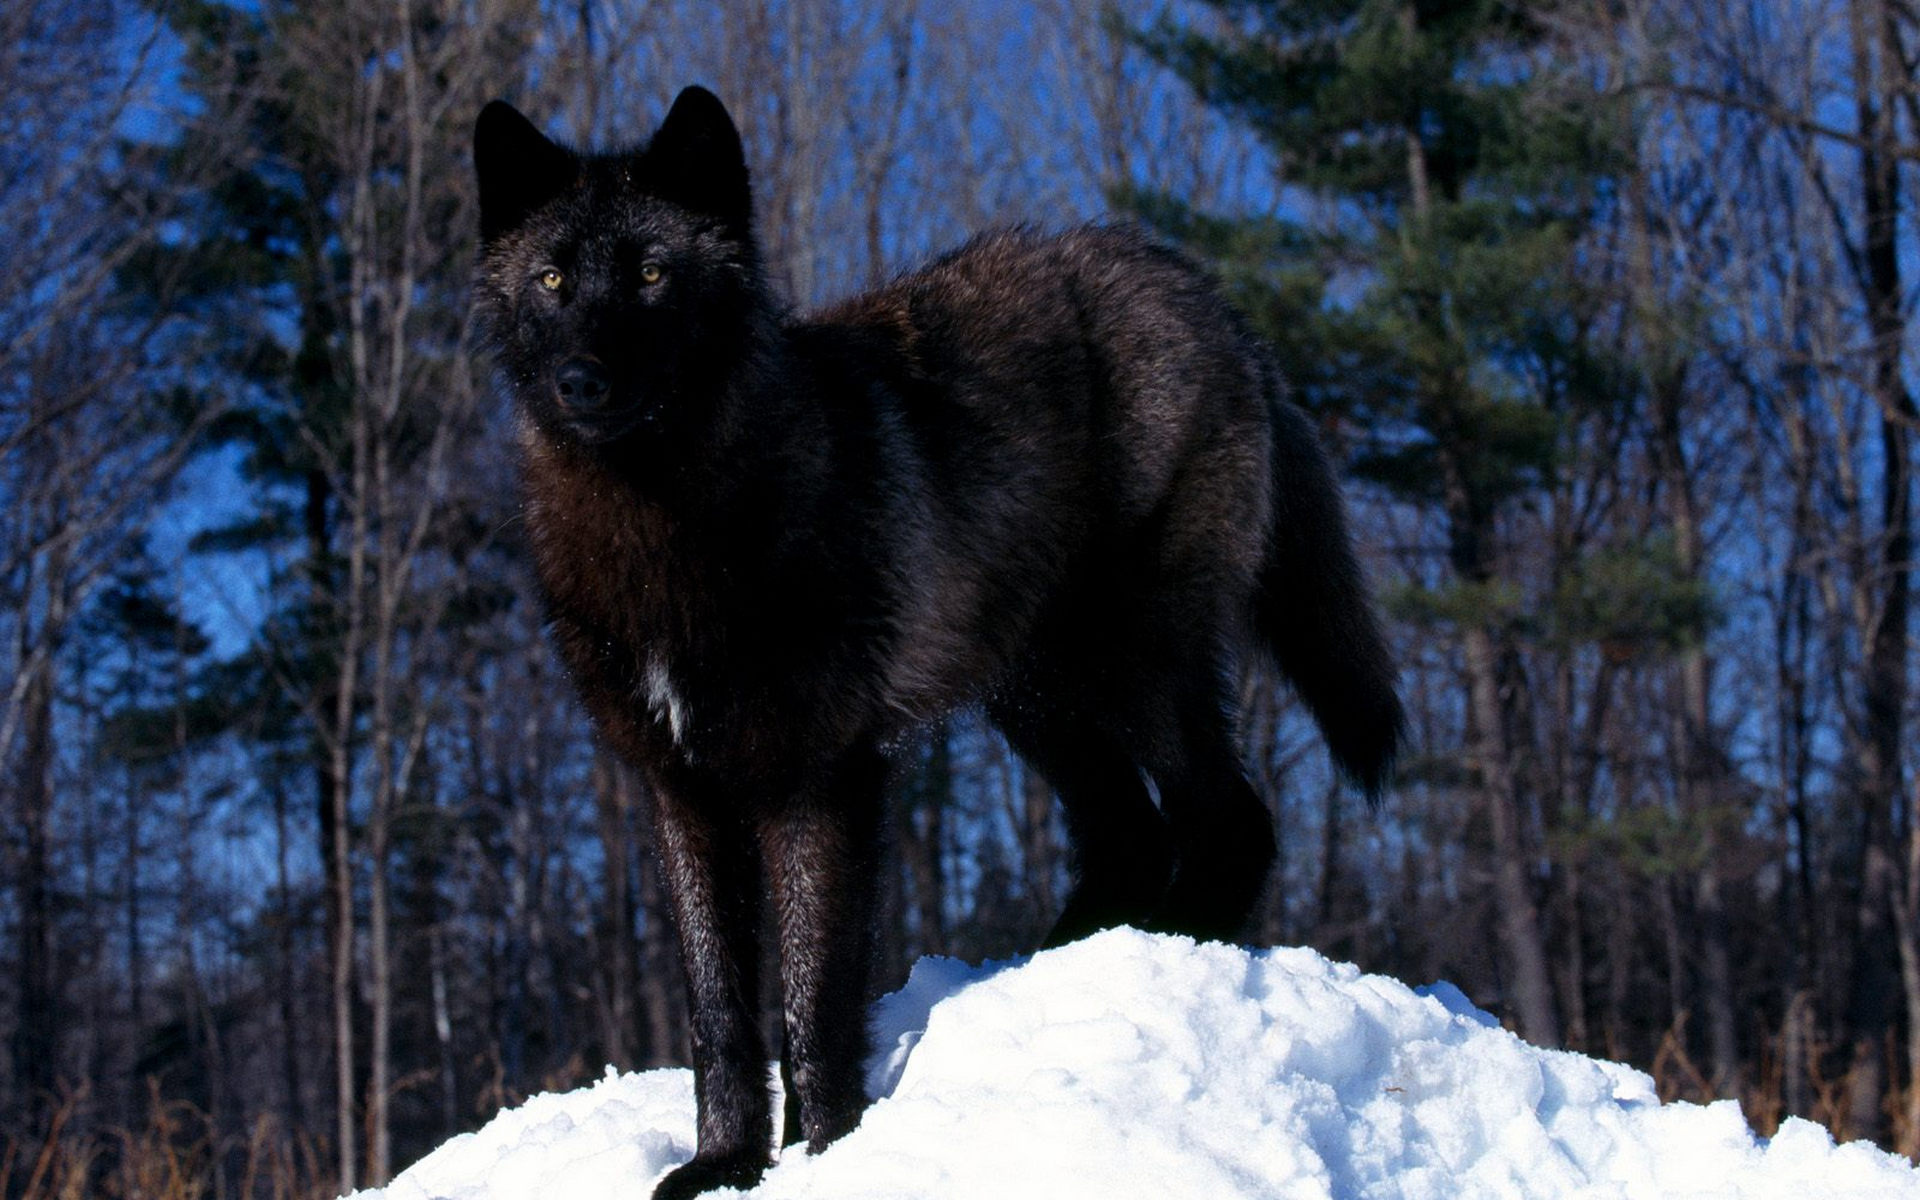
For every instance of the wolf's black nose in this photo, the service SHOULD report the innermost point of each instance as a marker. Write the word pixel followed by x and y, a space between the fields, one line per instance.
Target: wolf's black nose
pixel 583 385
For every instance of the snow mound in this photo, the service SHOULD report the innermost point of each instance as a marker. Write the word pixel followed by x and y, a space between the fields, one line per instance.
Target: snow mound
pixel 1135 1065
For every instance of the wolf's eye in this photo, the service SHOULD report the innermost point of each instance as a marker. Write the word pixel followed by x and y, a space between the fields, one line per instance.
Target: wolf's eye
pixel 650 273
pixel 551 279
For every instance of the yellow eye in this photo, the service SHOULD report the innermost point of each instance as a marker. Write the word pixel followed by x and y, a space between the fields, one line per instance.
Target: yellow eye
pixel 651 273
pixel 551 279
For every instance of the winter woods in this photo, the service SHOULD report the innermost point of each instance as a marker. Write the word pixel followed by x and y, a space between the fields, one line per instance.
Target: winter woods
pixel 308 859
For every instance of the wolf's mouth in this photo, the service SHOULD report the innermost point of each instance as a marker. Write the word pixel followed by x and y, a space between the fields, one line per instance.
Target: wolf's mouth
pixel 611 423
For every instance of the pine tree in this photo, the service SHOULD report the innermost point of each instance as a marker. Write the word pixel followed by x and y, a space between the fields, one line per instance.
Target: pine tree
pixel 1422 286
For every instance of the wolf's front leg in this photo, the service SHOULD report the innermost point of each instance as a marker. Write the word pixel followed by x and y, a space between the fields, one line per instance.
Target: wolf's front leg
pixel 713 876
pixel 822 854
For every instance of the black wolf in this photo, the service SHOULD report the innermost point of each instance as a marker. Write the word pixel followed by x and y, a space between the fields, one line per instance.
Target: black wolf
pixel 1053 476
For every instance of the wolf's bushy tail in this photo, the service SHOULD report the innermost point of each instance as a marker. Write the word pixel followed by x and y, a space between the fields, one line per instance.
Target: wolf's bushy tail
pixel 1315 614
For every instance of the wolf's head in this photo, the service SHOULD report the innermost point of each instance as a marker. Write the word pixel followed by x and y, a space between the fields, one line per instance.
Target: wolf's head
pixel 617 291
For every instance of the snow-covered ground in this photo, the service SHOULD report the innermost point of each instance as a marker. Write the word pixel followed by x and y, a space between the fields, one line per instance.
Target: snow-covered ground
pixel 1133 1065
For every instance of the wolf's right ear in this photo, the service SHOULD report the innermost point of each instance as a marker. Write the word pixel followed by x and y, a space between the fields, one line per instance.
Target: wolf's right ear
pixel 519 168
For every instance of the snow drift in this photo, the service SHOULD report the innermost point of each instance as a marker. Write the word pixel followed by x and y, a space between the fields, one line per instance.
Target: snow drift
pixel 1134 1065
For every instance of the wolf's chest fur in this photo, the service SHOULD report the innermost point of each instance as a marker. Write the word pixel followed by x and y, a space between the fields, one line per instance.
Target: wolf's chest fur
pixel 699 634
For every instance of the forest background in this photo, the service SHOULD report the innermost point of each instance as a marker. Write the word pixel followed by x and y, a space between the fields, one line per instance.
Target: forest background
pixel 308 860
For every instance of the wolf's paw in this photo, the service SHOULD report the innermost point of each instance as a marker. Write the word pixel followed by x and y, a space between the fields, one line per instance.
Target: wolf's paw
pixel 699 1176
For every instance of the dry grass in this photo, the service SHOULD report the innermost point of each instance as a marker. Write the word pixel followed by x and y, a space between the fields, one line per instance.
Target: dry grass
pixel 176 1154
pixel 1763 1099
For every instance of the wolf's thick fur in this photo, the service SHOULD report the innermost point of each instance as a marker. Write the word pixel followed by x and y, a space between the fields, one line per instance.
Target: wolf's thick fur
pixel 1050 475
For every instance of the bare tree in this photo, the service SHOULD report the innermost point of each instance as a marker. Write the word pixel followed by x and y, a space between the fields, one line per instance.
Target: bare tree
pixel 86 440
pixel 388 92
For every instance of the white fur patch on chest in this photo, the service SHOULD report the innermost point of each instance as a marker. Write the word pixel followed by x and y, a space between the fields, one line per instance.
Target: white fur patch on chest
pixel 663 702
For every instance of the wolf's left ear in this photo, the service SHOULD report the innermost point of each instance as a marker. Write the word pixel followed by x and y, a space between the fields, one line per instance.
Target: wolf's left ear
pixel 696 159
pixel 519 168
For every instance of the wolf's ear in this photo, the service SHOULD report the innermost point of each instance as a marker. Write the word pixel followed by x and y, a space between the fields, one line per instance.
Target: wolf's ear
pixel 519 168
pixel 696 159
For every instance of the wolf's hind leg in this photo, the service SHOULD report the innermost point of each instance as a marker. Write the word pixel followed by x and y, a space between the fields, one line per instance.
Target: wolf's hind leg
pixel 822 854
pixel 1122 859
pixel 1223 835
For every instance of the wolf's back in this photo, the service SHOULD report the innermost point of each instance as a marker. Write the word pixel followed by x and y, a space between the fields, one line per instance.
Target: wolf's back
pixel 1313 610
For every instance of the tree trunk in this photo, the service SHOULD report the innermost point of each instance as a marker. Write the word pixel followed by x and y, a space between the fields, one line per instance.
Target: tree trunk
pixel 1039 854
pixel 1331 825
pixel 380 981
pixel 1705 777
pixel 1574 985
pixel 1491 749
pixel 1675 945
pixel 290 1039
pixel 330 754
pixel 1878 76
pixel 1793 641
pixel 35 1043
pixel 617 967
pixel 136 923
pixel 926 857
pixel 1519 923
pixel 36 1033
pixel 339 894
